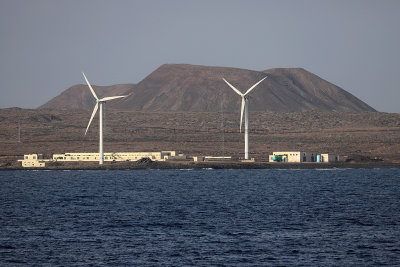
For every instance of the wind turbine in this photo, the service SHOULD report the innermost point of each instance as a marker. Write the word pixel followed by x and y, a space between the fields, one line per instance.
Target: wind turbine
pixel 99 102
pixel 245 108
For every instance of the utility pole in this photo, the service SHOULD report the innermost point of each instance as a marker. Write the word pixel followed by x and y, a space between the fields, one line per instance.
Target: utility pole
pixel 19 132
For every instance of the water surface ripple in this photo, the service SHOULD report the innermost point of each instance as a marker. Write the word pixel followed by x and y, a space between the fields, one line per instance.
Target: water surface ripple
pixel 200 217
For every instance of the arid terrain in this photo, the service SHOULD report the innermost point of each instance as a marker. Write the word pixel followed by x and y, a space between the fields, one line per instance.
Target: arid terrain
pixel 362 136
pixel 189 108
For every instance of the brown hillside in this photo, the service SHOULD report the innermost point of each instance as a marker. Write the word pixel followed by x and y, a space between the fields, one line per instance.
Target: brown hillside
pixel 201 88
pixel 181 87
pixel 80 97
pixel 312 90
pixel 365 134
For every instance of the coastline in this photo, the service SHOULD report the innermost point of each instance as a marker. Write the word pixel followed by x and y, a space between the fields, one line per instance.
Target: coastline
pixel 211 165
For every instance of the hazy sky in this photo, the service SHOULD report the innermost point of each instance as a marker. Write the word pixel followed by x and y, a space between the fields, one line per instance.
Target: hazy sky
pixel 46 44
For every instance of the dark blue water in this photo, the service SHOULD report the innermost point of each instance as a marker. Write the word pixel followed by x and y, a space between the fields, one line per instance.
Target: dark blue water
pixel 207 217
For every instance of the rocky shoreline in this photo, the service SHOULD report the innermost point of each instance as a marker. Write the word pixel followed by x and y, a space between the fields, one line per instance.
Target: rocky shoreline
pixel 209 165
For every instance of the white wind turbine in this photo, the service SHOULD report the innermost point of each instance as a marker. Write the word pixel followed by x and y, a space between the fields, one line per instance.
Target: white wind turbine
pixel 99 102
pixel 245 108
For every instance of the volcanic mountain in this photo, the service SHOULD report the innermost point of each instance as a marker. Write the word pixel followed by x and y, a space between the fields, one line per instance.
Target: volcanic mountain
pixel 80 97
pixel 182 87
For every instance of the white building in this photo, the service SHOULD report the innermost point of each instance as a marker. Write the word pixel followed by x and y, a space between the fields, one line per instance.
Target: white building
pixel 299 156
pixel 293 156
pixel 33 160
pixel 118 156
pixel 36 160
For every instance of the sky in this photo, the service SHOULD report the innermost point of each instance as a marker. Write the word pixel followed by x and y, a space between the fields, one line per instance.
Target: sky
pixel 46 44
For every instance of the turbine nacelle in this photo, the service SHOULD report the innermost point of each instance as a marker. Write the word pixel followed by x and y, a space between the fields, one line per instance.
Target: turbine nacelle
pixel 244 96
pixel 98 101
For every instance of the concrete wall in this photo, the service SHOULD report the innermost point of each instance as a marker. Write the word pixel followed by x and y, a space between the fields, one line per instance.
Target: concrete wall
pixel 213 158
pixel 308 157
pixel 332 158
pixel 198 158
pixel 327 158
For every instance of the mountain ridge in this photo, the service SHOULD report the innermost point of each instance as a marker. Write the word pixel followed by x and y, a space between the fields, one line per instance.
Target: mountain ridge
pixel 195 88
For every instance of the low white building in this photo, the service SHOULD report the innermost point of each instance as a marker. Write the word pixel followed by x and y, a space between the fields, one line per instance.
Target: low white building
pixel 118 156
pixel 212 158
pixel 299 156
pixel 36 160
pixel 33 161
pixel 332 158
pixel 293 156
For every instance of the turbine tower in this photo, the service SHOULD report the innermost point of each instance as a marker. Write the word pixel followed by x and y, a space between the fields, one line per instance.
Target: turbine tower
pixel 99 102
pixel 245 109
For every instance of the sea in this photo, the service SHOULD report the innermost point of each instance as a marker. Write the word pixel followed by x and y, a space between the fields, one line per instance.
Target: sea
pixel 323 217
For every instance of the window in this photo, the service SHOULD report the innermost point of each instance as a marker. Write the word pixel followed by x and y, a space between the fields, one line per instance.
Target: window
pixel 26 157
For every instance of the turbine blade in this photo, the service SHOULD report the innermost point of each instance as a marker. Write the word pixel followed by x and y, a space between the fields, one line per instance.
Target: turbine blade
pixel 251 88
pixel 112 97
pixel 241 113
pixel 231 86
pixel 90 87
pixel 91 118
